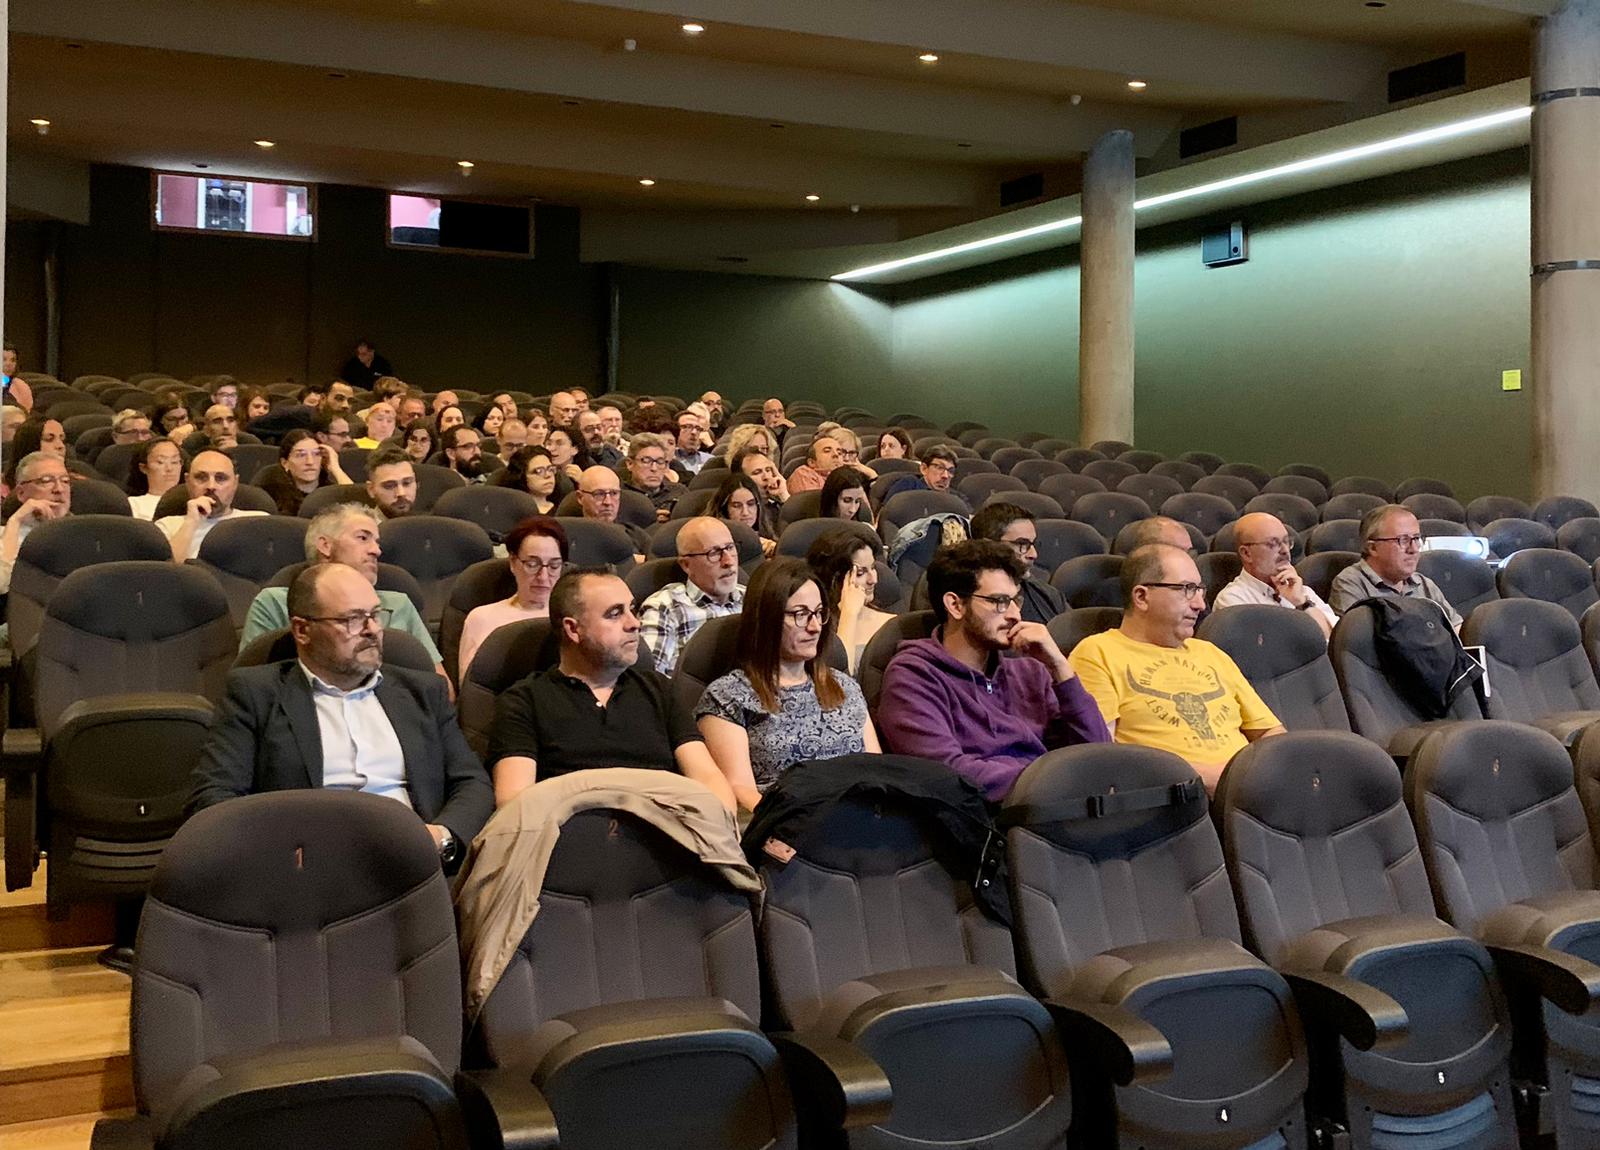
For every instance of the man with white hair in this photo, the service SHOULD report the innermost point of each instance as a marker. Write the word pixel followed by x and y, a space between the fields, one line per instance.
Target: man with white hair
pixel 45 491
pixel 669 618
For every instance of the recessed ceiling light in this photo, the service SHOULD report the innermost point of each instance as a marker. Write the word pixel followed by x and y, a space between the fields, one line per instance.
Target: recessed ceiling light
pixel 1377 3
pixel 1137 85
pixel 694 29
pixel 39 122
pixel 266 144
pixel 202 165
pixel 465 164
pixel 812 198
pixel 929 57
pixel 647 183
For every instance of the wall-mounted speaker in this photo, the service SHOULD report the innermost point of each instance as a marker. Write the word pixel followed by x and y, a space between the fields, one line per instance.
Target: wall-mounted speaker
pixel 1223 246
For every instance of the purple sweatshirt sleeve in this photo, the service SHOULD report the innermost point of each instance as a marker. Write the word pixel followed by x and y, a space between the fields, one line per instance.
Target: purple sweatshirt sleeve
pixel 1077 717
pixel 914 718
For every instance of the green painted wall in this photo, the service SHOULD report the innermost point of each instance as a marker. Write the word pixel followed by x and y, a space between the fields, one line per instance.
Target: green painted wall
pixel 1367 334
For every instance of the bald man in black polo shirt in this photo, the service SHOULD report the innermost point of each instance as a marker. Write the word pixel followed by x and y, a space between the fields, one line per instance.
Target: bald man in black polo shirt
pixel 595 708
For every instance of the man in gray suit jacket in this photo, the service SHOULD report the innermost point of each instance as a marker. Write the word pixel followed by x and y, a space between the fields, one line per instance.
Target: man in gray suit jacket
pixel 336 717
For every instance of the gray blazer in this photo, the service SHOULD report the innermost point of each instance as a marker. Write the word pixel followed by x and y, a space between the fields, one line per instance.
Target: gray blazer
pixel 265 738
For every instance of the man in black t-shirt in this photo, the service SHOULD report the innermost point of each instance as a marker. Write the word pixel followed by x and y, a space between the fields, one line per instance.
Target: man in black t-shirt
pixel 595 708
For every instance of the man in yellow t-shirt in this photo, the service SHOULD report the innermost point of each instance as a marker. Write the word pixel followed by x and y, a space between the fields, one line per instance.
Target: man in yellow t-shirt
pixel 1157 685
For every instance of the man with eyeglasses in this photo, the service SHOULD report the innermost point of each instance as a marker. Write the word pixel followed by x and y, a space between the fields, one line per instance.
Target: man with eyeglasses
pixel 130 426
pixel 1015 527
pixel 669 618
pixel 1267 576
pixel 45 491
pixel 1391 543
pixel 600 498
pixel 1156 684
pixel 774 488
pixel 953 698
pixel 594 440
pixel 691 454
pixel 936 469
pixel 463 452
pixel 337 716
pixel 345 533
pixel 647 473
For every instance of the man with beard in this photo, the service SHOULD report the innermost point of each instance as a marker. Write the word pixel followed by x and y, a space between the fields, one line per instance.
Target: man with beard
pixel 710 560
pixel 463 452
pixel 212 485
pixel 596 707
pixel 345 533
pixel 955 699
pixel 592 431
pixel 336 716
pixel 392 482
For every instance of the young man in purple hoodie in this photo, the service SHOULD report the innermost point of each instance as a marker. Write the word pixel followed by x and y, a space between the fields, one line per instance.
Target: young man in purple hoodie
pixel 953 698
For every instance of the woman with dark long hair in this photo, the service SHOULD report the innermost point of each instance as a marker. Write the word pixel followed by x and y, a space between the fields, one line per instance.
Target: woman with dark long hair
pixel 845 564
pixel 156 468
pixel 844 495
pixel 529 469
pixel 738 500
pixel 782 704
pixel 304 465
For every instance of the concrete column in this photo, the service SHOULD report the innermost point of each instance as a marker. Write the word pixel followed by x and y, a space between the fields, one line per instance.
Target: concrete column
pixel 1105 292
pixel 1566 251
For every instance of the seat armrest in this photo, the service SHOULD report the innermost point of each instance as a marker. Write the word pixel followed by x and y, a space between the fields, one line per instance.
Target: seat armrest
pixel 504 1110
pixel 1570 982
pixel 1566 726
pixel 21 754
pixel 1363 1015
pixel 1134 1050
pixel 21 748
pixel 834 1080
pixel 133 1133
pixel 1404 742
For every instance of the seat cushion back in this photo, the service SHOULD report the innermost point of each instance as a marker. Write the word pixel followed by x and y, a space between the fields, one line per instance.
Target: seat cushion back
pixel 625 914
pixel 866 894
pixel 486 581
pixel 1315 831
pixel 1466 580
pixel 1376 709
pixel 1084 885
pixel 434 550
pixel 291 916
pixel 882 646
pixel 1109 512
pixel 1537 664
pixel 1556 576
pixel 496 509
pixel 54 550
pixel 1236 489
pixel 1090 581
pixel 1498 818
pixel 1208 513
pixel 1558 510
pixel 1285 657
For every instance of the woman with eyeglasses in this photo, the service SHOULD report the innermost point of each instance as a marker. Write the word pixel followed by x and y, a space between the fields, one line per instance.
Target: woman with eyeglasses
pixel 536 551
pixel 156 468
pixel 419 442
pixel 530 469
pixel 304 465
pixel 782 704
pixel 845 565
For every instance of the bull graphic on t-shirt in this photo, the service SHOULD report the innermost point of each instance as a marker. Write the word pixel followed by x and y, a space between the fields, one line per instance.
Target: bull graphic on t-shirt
pixel 1190 705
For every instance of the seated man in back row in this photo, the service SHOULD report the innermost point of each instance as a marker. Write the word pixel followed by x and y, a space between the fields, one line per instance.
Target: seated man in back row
pixel 669 618
pixel 1267 576
pixel 212 484
pixel 1015 527
pixel 1391 544
pixel 337 717
pixel 596 707
pixel 954 699
pixel 1159 686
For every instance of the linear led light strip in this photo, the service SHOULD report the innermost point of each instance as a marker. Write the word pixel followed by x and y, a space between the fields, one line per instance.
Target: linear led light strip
pixel 1314 163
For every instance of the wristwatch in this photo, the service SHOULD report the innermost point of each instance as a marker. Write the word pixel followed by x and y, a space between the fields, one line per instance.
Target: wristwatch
pixel 449 848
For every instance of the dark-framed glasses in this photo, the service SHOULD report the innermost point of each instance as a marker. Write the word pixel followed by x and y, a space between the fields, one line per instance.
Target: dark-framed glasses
pixel 356 621
pixel 803 616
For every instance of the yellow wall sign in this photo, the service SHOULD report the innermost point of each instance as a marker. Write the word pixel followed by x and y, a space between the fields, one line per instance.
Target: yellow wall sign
pixel 1511 380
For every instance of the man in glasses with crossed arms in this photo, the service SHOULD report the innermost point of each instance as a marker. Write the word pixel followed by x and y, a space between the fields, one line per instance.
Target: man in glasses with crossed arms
pixel 952 698
pixel 1156 684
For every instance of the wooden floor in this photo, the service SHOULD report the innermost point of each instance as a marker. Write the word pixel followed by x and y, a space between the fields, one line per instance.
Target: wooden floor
pixel 63 1025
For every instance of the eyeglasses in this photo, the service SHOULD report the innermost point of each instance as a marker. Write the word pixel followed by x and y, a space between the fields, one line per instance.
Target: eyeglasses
pixel 544 472
pixel 941 466
pixel 849 455
pixel 650 461
pixel 1187 590
pixel 1405 542
pixel 803 616
pixel 1024 546
pixel 1282 543
pixel 49 481
pixel 713 554
pixel 604 496
pixel 548 566
pixel 355 622
pixel 1000 602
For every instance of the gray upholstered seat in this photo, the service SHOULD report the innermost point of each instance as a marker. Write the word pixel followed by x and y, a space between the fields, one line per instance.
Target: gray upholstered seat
pixel 1090 581
pixel 486 581
pixel 1108 471
pixel 244 554
pixel 798 537
pixel 495 509
pixel 1185 473
pixel 508 655
pixel 1558 510
pixel 1293 511
pixel 1485 509
pixel 882 646
pixel 592 543
pixel 1307 487
pixel 1206 513
pixel 1320 568
pixel 1364 485
pixel 1334 535
pixel 1422 485
pixel 1537 669
pixel 1125 922
pixel 1259 476
pixel 1581 536
pixel 1236 489
pixel 1217 569
pixel 1550 574
pixel 1109 512
pixel 1508 536
pixel 977 488
pixel 1069 488
pixel 1035 471
pixel 1074 625
pixel 1511 862
pixel 434 550
pixel 1465 579
pixel 1285 657
pixel 1153 489
pixel 1332 890
pixel 323 498
pixel 1063 539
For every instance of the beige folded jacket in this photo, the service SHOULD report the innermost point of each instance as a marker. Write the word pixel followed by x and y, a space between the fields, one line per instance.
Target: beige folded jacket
pixel 497 888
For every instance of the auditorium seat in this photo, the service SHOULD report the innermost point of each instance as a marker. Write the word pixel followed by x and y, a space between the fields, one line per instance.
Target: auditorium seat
pixel 1421 485
pixel 908 506
pixel 873 943
pixel 115 462
pixel 1258 476
pixel 1125 926
pixel 1236 490
pixel 1508 536
pixel 1285 657
pixel 1076 624
pixel 353 460
pixel 1050 444
pixel 1511 862
pixel 1351 505
pixel 1187 474
pixel 1008 457
pixel 1109 512
pixel 1378 711
pixel 1040 506
pixel 486 581
pixel 1217 569
pixel 433 550
pixel 1153 489
pixel 800 505
pixel 131 657
pixel 1538 670
pixel 1560 509
pixel 984 447
pixel 1205 460
pixel 709 655
pixel 634 508
pixel 1307 488
pixel 245 498
pixel 1319 568
pixel 251 458
pixel 322 498
pixel 507 656
pixel 399 648
pixel 1143 460
pixel 664 542
pixel 706 479
pixel 1465 580
pixel 972 435
pixel 1309 471
pixel 1294 512
pixel 798 537
pixel 882 646
pixel 100 497
pixel 1090 581
pixel 1581 536
pixel 1331 890
pixel 693 503
pixel 1111 472
pixel 1432 528
pixel 976 488
pixel 298 982
pixel 1063 539
pixel 495 509
pixel 1035 471
pixel 959 427
pixel 1077 458
pixel 1111 448
pixel 1362 485
pixel 1334 535
pixel 907 466
pixel 1485 509
pixel 1068 489
pixel 1553 575
pixel 632 999
pixel 244 554
pixel 652 575
pixel 1207 514
pixel 966 468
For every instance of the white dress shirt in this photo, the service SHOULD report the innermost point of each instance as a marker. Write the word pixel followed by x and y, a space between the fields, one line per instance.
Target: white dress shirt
pixel 360 751
pixel 1246 588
